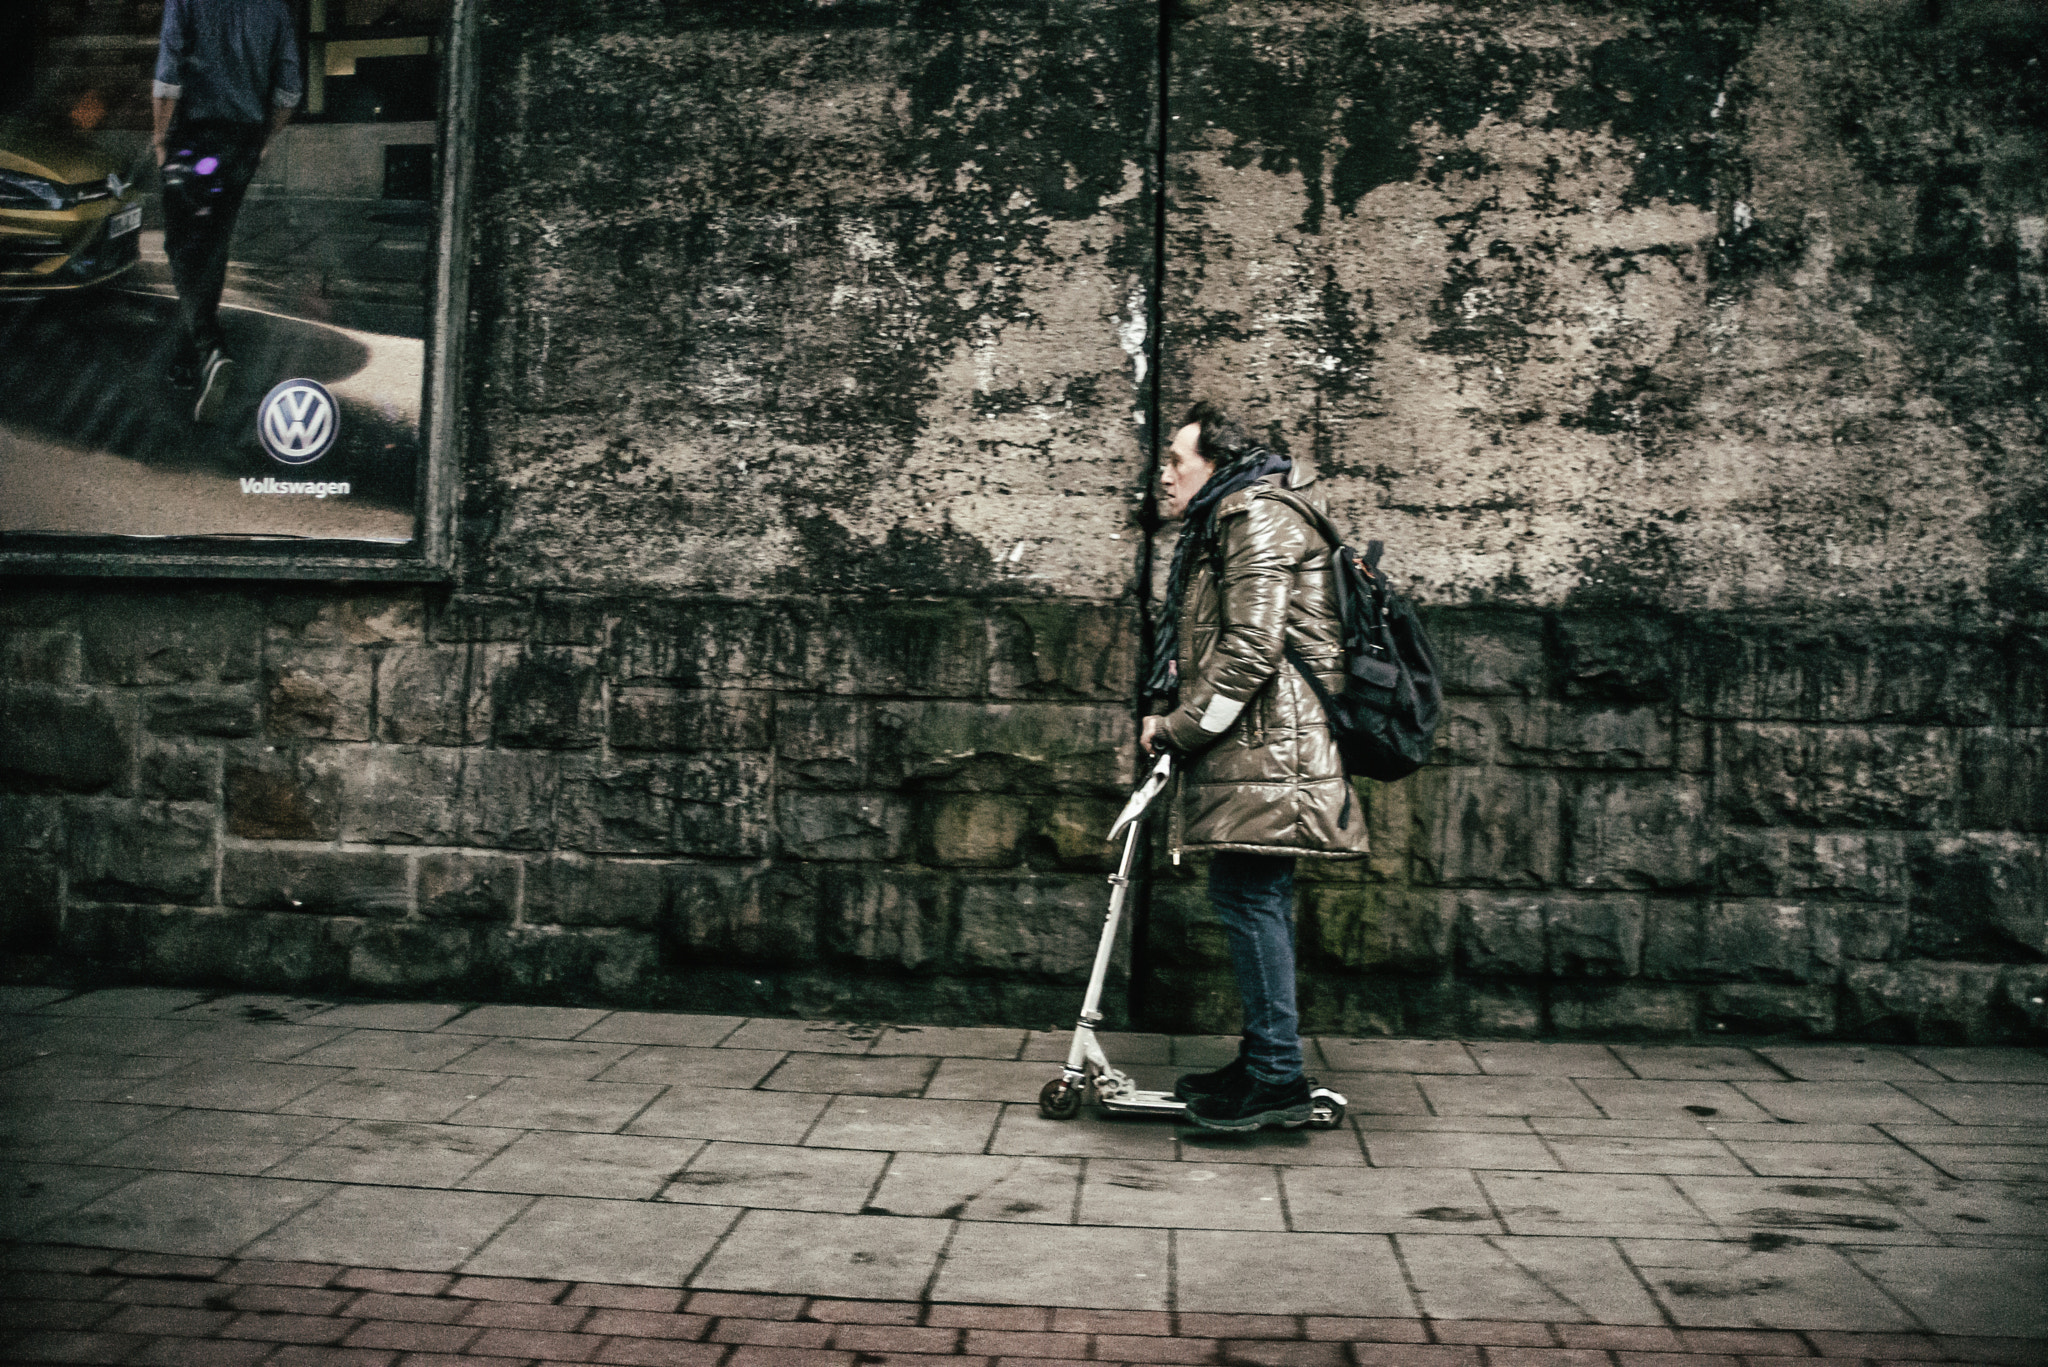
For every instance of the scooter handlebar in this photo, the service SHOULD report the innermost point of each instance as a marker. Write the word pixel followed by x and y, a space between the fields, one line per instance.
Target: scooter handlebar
pixel 1142 799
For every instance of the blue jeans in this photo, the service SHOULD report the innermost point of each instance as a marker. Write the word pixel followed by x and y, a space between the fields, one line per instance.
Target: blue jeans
pixel 1253 895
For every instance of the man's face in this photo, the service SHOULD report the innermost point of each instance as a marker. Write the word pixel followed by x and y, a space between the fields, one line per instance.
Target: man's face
pixel 1185 472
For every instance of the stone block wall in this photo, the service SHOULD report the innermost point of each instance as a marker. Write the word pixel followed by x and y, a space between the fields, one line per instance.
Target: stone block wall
pixel 786 805
pixel 1687 354
pixel 1643 823
pixel 1634 822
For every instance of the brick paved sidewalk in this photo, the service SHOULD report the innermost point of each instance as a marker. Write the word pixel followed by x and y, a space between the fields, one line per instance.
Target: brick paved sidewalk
pixel 72 1305
pixel 1659 1191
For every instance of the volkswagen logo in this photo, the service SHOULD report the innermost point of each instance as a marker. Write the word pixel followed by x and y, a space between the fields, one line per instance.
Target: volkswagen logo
pixel 297 421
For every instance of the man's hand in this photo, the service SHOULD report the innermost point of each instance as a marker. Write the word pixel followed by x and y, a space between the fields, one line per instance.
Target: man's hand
pixel 1148 734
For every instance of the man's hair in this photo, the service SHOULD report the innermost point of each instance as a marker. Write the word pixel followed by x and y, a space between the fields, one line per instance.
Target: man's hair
pixel 1222 439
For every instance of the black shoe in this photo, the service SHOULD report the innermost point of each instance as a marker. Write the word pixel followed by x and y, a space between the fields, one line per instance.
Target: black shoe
pixel 216 374
pixel 1188 1086
pixel 1254 1105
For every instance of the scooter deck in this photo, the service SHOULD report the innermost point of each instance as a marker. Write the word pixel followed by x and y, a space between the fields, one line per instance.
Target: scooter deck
pixel 1328 1106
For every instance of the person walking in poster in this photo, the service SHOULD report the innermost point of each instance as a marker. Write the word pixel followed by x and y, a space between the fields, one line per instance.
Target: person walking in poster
pixel 228 77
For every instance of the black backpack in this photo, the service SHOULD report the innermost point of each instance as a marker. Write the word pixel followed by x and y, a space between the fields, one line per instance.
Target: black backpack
pixel 1385 718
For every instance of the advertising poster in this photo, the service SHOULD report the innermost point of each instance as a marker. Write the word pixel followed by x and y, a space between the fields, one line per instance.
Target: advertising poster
pixel 217 232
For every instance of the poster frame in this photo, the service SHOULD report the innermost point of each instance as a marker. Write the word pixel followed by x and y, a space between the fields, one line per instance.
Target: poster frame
pixel 430 556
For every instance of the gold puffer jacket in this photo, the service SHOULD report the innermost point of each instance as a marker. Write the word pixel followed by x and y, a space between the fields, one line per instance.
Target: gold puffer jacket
pixel 1260 771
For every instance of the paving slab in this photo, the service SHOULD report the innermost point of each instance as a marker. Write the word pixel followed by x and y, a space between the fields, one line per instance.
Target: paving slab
pixel 1575 1127
pixel 218 1141
pixel 416 1049
pixel 1952 1208
pixel 899 1123
pixel 1812 1210
pixel 943 1041
pixel 1388 1201
pixel 987 1079
pixel 1766 1285
pixel 1783 1132
pixel 778 1177
pixel 664 1028
pixel 637 1243
pixel 1983 1103
pixel 581 1060
pixel 396 1094
pixel 555 1163
pixel 1850 1103
pixel 974 1186
pixel 1325 1274
pixel 1985 1065
pixel 1182 1195
pixel 1964 1291
pixel 1658 1099
pixel 125 1002
pixel 549 1103
pixel 1987 1162
pixel 1338 1146
pixel 51 1076
pixel 1523 1096
pixel 693 1066
pixel 126 1035
pixel 409 1229
pixel 810 1037
pixel 1521 1152
pixel 731 1113
pixel 1512 1058
pixel 865 1074
pixel 396 1153
pixel 1446 1124
pixel 880 1257
pixel 1615 1153
pixel 1831 1160
pixel 1575 1280
pixel 240 1084
pixel 31 1193
pixel 59 1131
pixel 16 999
pixel 196 1214
pixel 528 1022
pixel 1095 1266
pixel 1392 1055
pixel 1607 1205
pixel 1845 1063
pixel 252 1008
pixel 1022 1130
pixel 1678 1062
pixel 390 1015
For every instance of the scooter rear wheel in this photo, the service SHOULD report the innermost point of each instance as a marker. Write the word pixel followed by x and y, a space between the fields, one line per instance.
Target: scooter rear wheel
pixel 1060 1099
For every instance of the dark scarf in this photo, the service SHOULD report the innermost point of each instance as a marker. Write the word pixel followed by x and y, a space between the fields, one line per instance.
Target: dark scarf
pixel 1197 537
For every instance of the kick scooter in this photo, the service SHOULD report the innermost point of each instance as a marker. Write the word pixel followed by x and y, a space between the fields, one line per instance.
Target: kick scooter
pixel 1088 1071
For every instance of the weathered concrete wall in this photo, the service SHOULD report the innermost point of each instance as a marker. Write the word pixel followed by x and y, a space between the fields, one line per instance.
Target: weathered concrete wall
pixel 1689 360
pixel 1664 303
pixel 801 297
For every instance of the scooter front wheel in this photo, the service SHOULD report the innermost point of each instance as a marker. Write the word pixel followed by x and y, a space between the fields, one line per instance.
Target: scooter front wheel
pixel 1060 1099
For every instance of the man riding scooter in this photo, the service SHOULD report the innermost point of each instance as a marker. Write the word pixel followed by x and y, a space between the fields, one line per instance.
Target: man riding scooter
pixel 1261 780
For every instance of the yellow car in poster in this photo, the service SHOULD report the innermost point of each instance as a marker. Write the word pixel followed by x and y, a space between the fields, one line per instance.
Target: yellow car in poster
pixel 68 218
